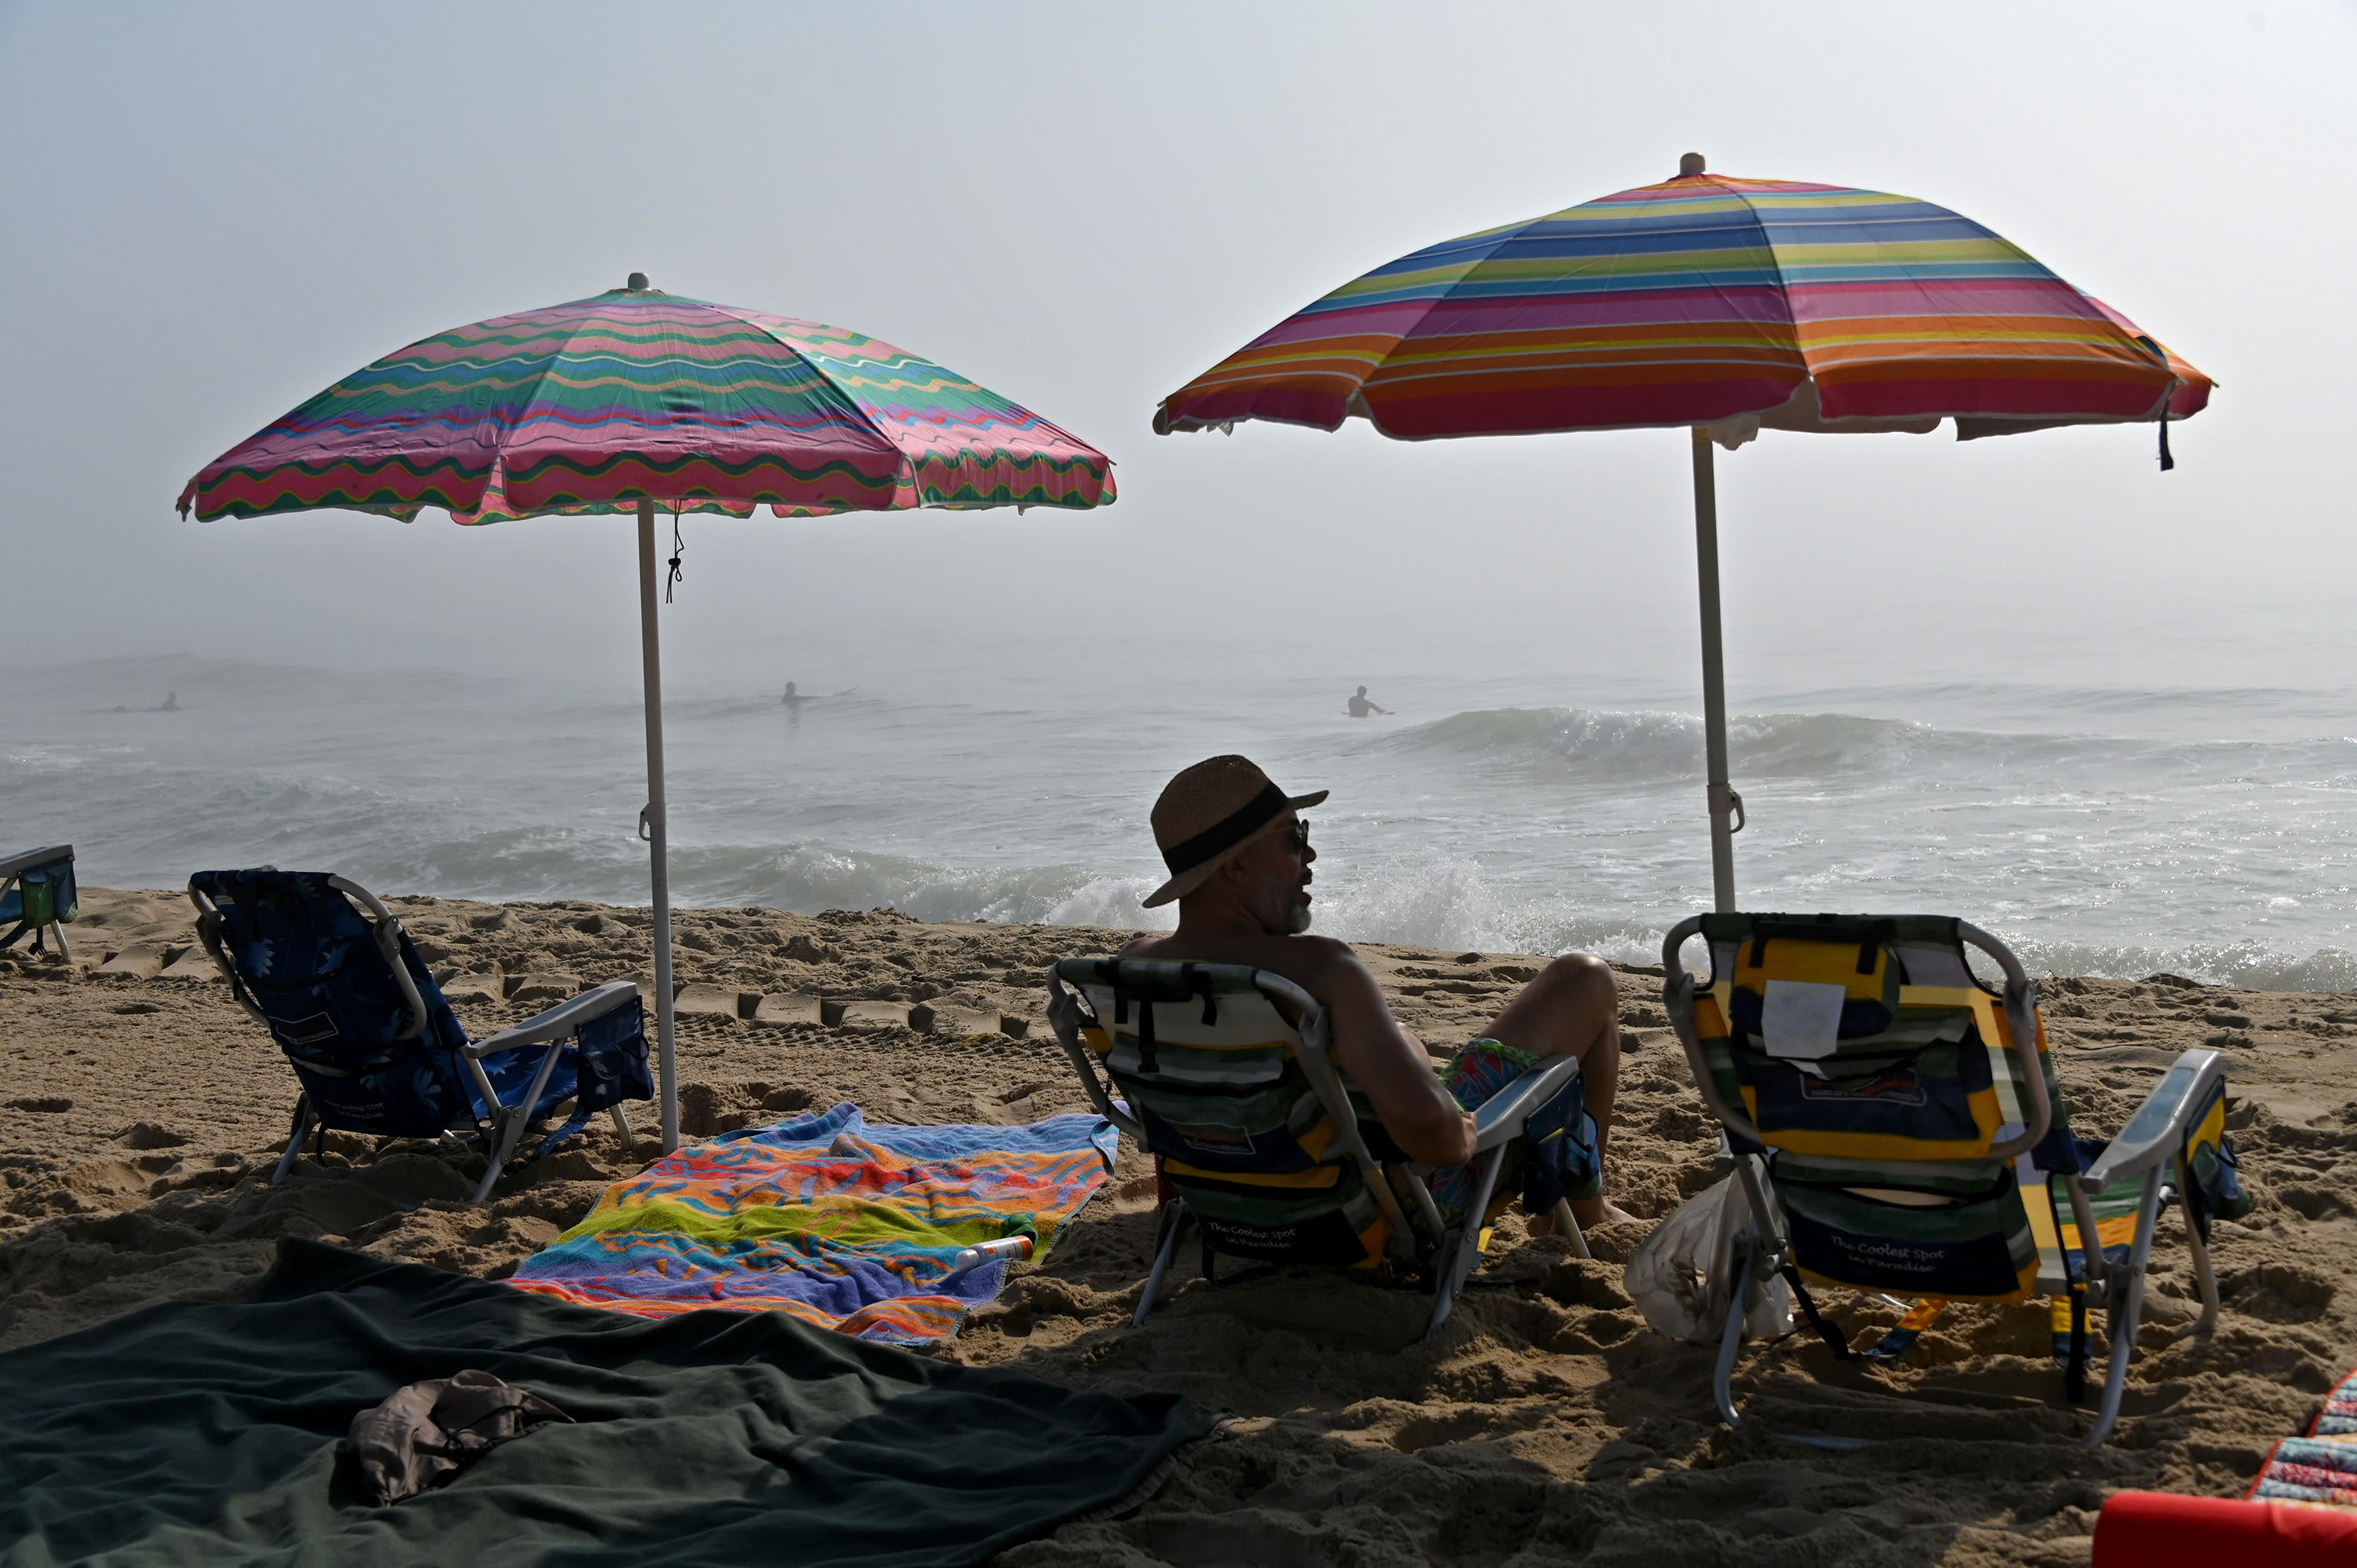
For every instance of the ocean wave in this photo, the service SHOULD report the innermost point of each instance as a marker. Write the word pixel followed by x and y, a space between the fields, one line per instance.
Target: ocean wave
pixel 2249 965
pixel 1620 748
pixel 808 878
pixel 1608 747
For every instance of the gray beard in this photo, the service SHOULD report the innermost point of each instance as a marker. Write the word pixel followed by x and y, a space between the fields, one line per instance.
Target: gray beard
pixel 1297 920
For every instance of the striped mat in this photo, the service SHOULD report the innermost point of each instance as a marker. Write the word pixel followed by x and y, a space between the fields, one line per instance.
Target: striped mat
pixel 826 1219
pixel 2321 1466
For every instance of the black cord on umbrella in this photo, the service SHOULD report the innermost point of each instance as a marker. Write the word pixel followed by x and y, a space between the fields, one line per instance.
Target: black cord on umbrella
pixel 678 549
pixel 2157 352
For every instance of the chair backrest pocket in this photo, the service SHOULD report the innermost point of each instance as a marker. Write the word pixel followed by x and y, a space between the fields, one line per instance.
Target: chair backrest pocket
pixel 1963 1233
pixel 613 1048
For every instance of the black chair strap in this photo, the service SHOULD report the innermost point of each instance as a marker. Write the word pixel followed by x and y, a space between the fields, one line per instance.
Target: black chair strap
pixel 1835 1340
pixel 1147 1061
pixel 1128 988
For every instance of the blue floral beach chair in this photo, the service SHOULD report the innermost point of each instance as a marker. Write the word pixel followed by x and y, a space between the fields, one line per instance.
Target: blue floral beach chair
pixel 36 891
pixel 323 965
pixel 1897 1128
pixel 1223 1074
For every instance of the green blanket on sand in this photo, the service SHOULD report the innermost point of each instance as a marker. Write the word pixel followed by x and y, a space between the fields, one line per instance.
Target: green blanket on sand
pixel 207 1434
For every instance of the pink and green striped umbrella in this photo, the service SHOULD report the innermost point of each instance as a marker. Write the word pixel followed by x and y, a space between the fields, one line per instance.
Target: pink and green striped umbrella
pixel 636 401
pixel 1725 306
pixel 637 395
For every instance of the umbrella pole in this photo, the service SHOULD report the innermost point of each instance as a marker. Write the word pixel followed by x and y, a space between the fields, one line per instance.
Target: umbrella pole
pixel 653 824
pixel 1725 804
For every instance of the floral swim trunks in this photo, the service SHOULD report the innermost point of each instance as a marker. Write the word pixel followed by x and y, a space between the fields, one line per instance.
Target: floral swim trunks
pixel 1541 1166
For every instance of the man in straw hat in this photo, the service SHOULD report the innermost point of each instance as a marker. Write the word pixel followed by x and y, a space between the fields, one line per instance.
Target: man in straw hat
pixel 1239 856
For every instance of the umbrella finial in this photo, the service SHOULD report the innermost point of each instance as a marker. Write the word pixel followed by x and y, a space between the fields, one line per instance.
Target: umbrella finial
pixel 1690 165
pixel 638 283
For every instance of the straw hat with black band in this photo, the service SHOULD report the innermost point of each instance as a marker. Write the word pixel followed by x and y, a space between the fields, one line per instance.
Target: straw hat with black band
pixel 1207 814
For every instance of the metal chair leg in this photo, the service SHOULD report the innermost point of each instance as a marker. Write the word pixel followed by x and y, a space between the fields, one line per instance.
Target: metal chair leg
pixel 2204 1274
pixel 518 1117
pixel 622 1126
pixel 509 1133
pixel 1568 1226
pixel 2124 1307
pixel 2123 1304
pixel 1174 1220
pixel 303 1120
pixel 1730 1339
pixel 1457 1263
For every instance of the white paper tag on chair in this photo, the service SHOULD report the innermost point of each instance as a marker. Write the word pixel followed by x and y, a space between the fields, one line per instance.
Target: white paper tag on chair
pixel 1800 1020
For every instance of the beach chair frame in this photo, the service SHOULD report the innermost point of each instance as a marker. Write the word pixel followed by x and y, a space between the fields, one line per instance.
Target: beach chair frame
pixel 1450 1252
pixel 2151 1147
pixel 13 873
pixel 509 1120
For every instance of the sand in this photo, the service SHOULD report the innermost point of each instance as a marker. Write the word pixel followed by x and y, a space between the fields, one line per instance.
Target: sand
pixel 141 1112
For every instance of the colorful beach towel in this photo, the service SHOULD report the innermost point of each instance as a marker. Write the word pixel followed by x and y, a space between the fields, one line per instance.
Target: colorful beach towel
pixel 2320 1467
pixel 830 1220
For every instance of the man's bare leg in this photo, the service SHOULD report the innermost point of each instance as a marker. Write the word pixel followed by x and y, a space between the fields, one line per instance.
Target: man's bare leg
pixel 1572 1009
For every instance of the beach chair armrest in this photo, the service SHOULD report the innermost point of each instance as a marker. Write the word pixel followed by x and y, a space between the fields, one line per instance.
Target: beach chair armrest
pixel 1064 1019
pixel 2157 1132
pixel 564 1019
pixel 1678 989
pixel 36 860
pixel 1501 1117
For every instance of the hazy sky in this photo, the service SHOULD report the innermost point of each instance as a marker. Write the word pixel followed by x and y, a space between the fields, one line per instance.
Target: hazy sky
pixel 213 211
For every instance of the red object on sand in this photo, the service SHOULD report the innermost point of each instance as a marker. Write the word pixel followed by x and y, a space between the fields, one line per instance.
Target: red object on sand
pixel 2162 1530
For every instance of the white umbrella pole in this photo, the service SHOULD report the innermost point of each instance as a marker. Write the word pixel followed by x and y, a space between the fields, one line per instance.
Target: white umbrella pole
pixel 1726 805
pixel 656 830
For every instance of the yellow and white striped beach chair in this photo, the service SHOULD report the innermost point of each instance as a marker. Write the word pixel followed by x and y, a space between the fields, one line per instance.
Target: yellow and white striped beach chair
pixel 1897 1129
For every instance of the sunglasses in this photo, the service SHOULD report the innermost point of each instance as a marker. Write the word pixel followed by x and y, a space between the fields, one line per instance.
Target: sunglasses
pixel 1298 837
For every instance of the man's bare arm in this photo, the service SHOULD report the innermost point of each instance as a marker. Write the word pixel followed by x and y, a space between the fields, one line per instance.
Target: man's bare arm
pixel 1390 1064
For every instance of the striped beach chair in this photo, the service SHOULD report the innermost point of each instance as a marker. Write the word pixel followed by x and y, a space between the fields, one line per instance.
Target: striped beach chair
pixel 37 892
pixel 1897 1129
pixel 320 962
pixel 1223 1073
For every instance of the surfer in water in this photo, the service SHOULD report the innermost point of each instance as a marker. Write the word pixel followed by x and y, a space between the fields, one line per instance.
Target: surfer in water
pixel 1358 707
pixel 793 699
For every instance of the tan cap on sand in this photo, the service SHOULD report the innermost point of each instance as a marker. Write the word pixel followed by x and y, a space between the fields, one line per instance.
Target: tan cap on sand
pixel 1207 813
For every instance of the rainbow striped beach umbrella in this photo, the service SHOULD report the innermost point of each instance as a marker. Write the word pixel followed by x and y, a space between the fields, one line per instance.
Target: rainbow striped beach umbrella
pixel 636 401
pixel 1725 305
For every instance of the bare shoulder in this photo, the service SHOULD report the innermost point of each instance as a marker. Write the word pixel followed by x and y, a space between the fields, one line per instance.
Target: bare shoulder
pixel 1318 964
pixel 1307 958
pixel 1327 969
